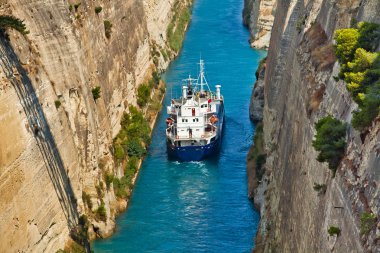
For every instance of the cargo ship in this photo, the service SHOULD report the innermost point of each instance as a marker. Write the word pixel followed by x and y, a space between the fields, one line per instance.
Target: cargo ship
pixel 195 120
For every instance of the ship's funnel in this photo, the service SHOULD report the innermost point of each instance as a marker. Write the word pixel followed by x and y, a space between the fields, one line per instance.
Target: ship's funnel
pixel 184 91
pixel 217 91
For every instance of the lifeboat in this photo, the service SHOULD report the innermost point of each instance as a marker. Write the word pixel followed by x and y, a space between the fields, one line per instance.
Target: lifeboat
pixel 213 119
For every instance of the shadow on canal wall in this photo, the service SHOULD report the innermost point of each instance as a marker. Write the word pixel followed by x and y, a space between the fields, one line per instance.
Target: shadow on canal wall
pixel 19 79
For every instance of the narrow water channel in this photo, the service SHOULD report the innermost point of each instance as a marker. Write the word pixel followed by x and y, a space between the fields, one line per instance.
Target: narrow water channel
pixel 199 206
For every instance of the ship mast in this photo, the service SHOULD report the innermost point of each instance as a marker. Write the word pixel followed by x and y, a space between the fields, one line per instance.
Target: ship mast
pixel 201 73
pixel 202 77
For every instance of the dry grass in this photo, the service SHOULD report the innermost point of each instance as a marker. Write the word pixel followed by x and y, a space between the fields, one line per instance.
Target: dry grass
pixel 316 99
pixel 323 57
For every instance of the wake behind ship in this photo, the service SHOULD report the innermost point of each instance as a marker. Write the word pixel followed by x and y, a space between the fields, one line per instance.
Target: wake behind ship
pixel 195 122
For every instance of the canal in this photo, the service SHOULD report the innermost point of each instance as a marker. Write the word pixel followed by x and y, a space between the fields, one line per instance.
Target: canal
pixel 199 206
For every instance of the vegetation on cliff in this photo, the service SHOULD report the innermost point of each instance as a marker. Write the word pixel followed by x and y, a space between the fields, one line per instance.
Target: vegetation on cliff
pixel 333 231
pixel 330 141
pixel 96 92
pixel 177 28
pixel 7 21
pixel 320 188
pixel 144 90
pixel 107 28
pixel 134 135
pixel 360 69
pixel 98 9
pixel 367 222
pixel 131 142
pixel 122 185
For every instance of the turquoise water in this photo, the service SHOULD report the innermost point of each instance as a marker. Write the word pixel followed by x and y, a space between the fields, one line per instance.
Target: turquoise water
pixel 199 206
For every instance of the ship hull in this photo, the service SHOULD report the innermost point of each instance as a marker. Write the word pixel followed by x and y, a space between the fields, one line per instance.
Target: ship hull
pixel 193 153
pixel 198 153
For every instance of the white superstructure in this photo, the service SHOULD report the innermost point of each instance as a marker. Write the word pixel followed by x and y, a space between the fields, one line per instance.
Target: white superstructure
pixel 193 118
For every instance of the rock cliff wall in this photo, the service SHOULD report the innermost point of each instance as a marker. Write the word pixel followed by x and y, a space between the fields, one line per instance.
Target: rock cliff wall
pixel 56 139
pixel 299 89
pixel 256 106
pixel 258 15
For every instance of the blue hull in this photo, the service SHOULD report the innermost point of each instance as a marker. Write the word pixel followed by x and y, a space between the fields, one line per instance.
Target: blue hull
pixel 197 153
pixel 194 153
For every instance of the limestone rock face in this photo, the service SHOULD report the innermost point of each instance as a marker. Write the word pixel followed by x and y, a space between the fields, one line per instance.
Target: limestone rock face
pixel 56 140
pixel 256 105
pixel 258 15
pixel 300 89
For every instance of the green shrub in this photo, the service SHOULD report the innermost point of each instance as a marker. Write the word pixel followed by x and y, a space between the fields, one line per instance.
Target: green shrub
pixel 357 70
pixel 98 9
pixel 333 231
pixel 320 188
pixel 135 148
pixel 362 61
pixel 346 44
pixel 57 103
pixel 119 152
pixel 139 126
pixel 132 164
pixel 101 212
pixel 369 109
pixel 367 222
pixel 373 74
pixel 369 100
pixel 7 21
pixel 76 6
pixel 133 136
pixel 143 94
pixel 369 35
pixel 360 69
pixel 330 141
pixel 87 199
pixel 109 179
pixel 107 28
pixel 96 92
pixel 121 187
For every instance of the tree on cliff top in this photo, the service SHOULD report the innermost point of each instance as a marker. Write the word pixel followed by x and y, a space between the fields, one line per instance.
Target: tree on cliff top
pixel 355 49
pixel 330 141
pixel 346 44
pixel 12 22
